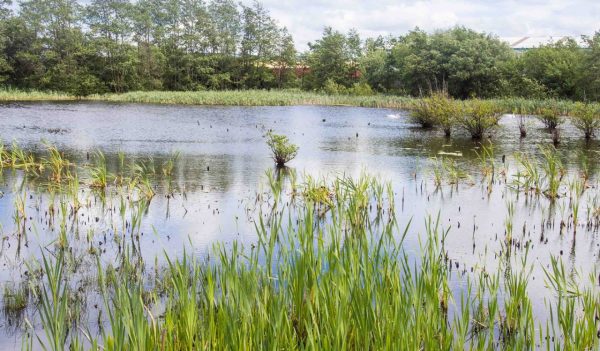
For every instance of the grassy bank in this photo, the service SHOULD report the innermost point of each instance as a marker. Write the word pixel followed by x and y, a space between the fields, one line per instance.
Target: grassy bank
pixel 223 98
pixel 265 98
pixel 19 95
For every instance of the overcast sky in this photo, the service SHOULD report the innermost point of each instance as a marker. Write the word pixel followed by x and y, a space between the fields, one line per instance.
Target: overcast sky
pixel 507 18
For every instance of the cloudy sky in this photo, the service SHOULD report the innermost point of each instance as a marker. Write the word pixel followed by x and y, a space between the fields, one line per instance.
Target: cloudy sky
pixel 507 18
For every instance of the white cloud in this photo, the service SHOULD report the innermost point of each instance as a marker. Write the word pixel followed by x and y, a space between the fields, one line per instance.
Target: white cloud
pixel 306 19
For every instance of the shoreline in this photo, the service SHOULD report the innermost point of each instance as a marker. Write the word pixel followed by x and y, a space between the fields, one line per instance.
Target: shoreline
pixel 264 98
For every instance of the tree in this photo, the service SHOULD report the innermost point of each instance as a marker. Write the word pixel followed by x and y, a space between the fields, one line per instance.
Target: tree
pixel 464 61
pixel 557 66
pixel 331 59
pixel 285 59
pixel 591 69
pixel 111 27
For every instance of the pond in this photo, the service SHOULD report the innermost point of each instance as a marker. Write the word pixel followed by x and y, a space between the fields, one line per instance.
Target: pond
pixel 221 163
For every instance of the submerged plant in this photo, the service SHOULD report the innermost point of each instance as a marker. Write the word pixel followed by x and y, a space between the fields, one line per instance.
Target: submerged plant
pixel 283 151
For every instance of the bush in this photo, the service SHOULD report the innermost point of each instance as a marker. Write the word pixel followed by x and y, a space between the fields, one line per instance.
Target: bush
pixel 333 88
pixel 361 89
pixel 479 117
pixel 437 109
pixel 283 151
pixel 586 118
pixel 550 115
pixel 422 114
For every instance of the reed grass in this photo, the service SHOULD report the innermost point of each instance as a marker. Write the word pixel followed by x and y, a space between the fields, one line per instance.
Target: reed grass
pixel 341 282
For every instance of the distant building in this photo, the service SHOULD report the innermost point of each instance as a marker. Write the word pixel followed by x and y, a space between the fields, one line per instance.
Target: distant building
pixel 522 44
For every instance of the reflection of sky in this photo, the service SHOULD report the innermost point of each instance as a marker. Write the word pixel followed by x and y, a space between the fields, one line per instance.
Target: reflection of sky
pixel 224 159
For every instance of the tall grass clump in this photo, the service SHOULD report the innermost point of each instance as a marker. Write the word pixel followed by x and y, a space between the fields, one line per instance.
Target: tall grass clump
pixel 283 151
pixel 586 118
pixel 479 117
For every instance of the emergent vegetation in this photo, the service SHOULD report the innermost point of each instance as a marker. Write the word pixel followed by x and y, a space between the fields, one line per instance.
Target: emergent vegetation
pixel 586 118
pixel 283 151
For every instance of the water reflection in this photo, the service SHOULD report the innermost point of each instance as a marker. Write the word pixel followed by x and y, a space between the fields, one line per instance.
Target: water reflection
pixel 211 195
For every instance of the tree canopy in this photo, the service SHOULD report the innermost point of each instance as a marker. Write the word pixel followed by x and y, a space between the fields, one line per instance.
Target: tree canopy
pixel 124 45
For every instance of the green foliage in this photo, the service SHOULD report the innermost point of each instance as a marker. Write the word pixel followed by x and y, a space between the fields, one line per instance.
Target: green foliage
pixel 283 151
pixel 463 60
pixel 120 46
pixel 333 59
pixel 438 109
pixel 550 114
pixel 480 116
pixel 586 118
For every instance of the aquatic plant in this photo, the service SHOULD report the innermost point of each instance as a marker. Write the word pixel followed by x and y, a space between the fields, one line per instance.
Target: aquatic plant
pixel 283 151
pixel 479 117
pixel 586 118
pixel 54 305
pixel 550 114
pixel 60 167
pixel 169 164
pixel 99 172
pixel 438 109
pixel 15 298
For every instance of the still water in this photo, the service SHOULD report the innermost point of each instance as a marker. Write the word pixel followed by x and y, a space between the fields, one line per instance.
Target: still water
pixel 223 159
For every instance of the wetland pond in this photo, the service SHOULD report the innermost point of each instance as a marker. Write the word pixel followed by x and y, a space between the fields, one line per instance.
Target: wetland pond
pixel 218 164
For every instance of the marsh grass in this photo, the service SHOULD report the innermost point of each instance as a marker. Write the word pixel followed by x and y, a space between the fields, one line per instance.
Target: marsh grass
pixel 341 280
pixel 329 269
pixel 544 176
pixel 551 114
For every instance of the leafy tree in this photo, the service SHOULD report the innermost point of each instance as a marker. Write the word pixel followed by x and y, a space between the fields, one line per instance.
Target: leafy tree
pixel 465 61
pixel 333 58
pixel 284 59
pixel 591 69
pixel 557 66
pixel 111 28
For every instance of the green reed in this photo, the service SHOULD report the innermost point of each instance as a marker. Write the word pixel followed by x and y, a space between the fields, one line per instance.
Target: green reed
pixel 335 279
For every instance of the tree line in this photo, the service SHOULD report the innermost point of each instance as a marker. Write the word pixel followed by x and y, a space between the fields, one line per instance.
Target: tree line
pixel 119 46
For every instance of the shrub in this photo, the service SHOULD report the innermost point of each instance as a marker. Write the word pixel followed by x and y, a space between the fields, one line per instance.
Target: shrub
pixel 479 117
pixel 421 114
pixel 586 118
pixel 437 109
pixel 333 88
pixel 550 115
pixel 361 89
pixel 283 151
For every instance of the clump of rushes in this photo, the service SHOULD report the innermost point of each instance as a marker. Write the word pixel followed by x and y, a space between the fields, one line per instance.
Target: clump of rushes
pixel 15 299
pixel 479 117
pixel 586 118
pixel 60 167
pixel 99 172
pixel 283 151
pixel 520 110
pixel 551 115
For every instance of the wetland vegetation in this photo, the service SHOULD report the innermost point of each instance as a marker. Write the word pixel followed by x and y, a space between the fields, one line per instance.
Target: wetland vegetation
pixel 480 244
pixel 174 175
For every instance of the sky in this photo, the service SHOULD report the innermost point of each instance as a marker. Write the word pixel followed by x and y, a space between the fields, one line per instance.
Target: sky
pixel 305 19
